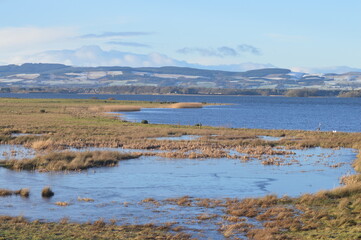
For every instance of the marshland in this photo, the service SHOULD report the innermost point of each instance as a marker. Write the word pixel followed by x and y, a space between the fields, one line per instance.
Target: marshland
pixel 112 174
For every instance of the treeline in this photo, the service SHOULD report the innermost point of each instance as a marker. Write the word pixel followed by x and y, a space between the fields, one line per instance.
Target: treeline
pixel 312 92
pixel 305 92
pixel 183 90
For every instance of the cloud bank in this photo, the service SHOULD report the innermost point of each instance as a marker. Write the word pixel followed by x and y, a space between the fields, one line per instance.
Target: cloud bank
pixel 95 56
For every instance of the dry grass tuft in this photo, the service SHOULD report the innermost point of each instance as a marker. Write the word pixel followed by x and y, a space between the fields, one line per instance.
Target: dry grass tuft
pixel 62 204
pixel 350 179
pixel 151 200
pixel 5 192
pixel 186 105
pixel 85 199
pixel 182 201
pixel 24 192
pixel 42 144
pixel 205 216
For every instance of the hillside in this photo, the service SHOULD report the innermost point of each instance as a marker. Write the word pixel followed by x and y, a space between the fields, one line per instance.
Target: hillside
pixel 59 75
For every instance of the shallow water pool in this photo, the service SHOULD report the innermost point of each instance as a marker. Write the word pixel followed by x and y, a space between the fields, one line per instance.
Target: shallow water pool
pixel 118 191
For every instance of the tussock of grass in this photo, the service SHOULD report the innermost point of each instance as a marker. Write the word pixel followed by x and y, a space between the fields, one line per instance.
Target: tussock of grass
pixel 85 199
pixel 47 192
pixel 24 192
pixel 357 163
pixel 5 192
pixel 186 105
pixel 42 144
pixel 205 216
pixel 341 192
pixel 62 204
pixel 182 201
pixel 61 161
pixel 350 179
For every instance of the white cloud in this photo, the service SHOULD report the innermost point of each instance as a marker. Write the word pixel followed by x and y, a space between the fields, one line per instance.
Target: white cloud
pixel 95 56
pixel 22 38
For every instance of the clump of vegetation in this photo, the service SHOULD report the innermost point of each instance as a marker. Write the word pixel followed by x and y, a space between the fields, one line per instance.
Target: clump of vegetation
pixel 20 228
pixel 186 105
pixel 24 192
pixel 47 192
pixel 80 199
pixel 42 144
pixel 62 204
pixel 72 161
pixel 144 122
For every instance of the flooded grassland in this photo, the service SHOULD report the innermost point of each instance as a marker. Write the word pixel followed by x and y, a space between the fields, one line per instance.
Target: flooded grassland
pixel 118 179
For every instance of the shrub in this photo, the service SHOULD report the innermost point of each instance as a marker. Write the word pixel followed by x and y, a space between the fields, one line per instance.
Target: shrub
pixel 144 122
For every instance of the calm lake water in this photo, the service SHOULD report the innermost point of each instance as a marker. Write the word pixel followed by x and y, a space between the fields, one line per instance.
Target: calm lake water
pixel 339 114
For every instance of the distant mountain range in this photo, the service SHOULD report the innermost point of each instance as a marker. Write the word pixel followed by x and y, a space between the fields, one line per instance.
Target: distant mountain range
pixel 59 75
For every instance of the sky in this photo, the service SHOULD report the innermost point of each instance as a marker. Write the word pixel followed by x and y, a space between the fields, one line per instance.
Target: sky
pixel 305 35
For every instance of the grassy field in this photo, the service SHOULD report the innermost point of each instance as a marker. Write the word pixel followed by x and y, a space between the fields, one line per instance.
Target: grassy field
pixel 65 123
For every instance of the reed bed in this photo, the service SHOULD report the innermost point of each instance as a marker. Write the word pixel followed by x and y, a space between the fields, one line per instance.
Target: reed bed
pixel 68 161
pixel 186 105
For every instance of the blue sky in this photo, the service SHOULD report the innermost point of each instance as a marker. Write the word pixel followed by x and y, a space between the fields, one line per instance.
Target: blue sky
pixel 227 34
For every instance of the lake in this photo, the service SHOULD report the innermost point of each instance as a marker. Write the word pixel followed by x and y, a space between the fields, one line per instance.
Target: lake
pixel 331 114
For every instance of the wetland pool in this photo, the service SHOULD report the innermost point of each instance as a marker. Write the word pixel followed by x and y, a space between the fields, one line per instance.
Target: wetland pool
pixel 118 191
